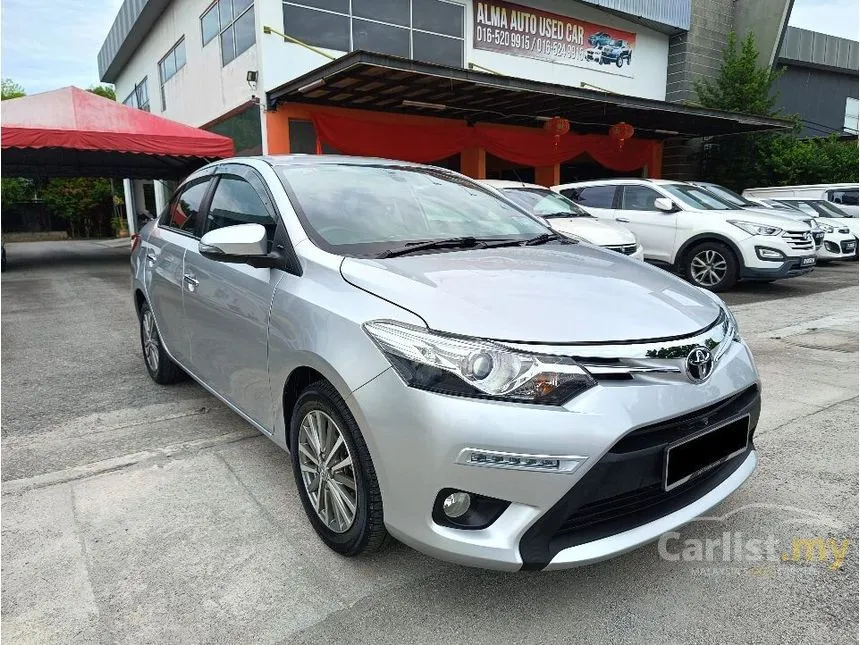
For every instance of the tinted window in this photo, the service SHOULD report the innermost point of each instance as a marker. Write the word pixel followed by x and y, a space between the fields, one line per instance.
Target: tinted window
pixel 385 39
pixel 431 48
pixel 244 32
pixel 846 196
pixel 184 209
pixel 209 24
pixel 594 196
pixel 441 17
pixel 317 27
pixel 393 11
pixel 365 210
pixel 638 198
pixel 237 202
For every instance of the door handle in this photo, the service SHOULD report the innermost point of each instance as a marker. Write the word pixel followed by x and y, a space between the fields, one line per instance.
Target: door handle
pixel 150 258
pixel 191 281
pixel 623 220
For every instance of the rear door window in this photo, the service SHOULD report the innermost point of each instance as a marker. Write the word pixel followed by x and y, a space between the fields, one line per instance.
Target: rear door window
pixel 183 212
pixel 593 196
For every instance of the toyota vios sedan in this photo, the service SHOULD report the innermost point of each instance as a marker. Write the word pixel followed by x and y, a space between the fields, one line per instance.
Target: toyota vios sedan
pixel 441 366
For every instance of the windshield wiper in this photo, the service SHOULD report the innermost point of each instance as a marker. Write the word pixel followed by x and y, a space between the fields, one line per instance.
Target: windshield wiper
pixel 565 214
pixel 543 238
pixel 450 243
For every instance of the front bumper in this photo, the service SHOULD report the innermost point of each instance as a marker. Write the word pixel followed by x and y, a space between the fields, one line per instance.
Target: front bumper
pixel 415 437
pixel 792 263
pixel 837 246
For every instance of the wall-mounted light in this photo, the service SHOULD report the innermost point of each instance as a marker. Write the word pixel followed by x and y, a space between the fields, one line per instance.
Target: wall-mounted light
pixel 251 77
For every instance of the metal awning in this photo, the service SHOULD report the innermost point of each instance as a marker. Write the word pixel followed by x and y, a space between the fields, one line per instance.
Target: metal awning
pixel 368 81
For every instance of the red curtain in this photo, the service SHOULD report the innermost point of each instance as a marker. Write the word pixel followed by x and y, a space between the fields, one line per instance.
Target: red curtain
pixel 431 142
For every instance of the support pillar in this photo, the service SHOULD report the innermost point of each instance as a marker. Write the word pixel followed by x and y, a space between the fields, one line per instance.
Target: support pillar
pixel 548 175
pixel 473 163
pixel 130 210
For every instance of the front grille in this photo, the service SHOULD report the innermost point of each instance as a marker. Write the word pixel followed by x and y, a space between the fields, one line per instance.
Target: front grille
pixel 626 249
pixel 799 240
pixel 625 488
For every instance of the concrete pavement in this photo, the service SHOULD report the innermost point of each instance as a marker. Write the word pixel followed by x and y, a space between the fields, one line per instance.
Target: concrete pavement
pixel 141 514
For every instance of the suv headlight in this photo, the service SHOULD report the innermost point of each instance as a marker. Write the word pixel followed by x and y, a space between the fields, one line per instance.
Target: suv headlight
pixel 472 367
pixel 825 227
pixel 756 229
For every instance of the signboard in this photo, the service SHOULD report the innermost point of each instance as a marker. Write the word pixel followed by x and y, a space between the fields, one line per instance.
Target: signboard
pixel 522 31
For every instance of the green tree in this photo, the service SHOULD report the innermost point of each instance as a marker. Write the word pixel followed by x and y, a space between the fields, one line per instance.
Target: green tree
pixel 765 159
pixel 103 90
pixel 87 204
pixel 11 90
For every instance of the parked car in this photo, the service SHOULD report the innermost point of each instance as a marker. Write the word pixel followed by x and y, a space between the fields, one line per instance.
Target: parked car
pixel 616 52
pixel 694 232
pixel 739 201
pixel 594 54
pixel 841 230
pixel 599 39
pixel 844 196
pixel 564 216
pixel 441 365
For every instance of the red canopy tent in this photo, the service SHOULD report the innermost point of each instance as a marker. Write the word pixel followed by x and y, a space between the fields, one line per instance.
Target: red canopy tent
pixel 74 133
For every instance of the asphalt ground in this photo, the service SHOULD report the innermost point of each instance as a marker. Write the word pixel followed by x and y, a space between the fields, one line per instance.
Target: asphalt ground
pixel 136 513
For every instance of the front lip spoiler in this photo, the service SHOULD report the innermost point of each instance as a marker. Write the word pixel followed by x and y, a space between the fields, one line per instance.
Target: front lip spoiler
pixel 628 540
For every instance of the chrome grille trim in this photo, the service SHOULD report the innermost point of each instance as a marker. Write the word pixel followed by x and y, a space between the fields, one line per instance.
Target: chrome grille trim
pixel 627 361
pixel 626 249
pixel 799 240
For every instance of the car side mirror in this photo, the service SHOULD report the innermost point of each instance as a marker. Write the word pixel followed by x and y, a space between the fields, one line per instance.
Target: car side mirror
pixel 240 244
pixel 665 204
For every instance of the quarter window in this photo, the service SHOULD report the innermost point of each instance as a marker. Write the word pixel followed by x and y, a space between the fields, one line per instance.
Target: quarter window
pixel 233 22
pixel 237 202
pixel 185 207
pixel 638 198
pixel 169 65
pixel 847 197
pixel 427 30
pixel 593 196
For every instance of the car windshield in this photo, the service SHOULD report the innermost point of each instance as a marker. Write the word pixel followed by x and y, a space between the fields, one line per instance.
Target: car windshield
pixel 697 198
pixel 544 202
pixel 368 210
pixel 727 195
pixel 822 208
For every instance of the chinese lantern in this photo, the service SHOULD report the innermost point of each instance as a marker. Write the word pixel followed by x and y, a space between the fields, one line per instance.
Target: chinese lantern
pixel 621 132
pixel 557 126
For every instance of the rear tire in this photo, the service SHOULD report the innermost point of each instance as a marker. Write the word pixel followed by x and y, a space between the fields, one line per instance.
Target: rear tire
pixel 619 61
pixel 712 266
pixel 160 366
pixel 323 436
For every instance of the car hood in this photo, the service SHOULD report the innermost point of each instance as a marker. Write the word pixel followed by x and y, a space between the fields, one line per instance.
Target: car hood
pixel 545 294
pixel 764 217
pixel 593 230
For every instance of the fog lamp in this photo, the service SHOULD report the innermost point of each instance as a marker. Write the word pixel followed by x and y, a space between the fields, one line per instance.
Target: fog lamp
pixel 456 504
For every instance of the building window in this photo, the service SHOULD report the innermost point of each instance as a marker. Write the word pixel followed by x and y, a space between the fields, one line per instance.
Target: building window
pixel 169 65
pixel 233 22
pixel 139 97
pixel 851 115
pixel 426 30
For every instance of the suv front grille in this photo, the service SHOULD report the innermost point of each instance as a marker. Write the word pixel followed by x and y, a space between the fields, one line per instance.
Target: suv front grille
pixel 626 249
pixel 799 240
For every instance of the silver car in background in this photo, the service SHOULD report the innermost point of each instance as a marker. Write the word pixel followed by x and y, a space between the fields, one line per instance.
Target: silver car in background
pixel 441 366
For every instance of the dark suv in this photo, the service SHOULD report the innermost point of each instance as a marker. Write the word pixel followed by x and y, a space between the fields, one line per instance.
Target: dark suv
pixel 616 51
pixel 599 39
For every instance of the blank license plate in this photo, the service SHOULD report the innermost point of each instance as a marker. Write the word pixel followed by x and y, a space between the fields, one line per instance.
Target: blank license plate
pixel 807 261
pixel 689 458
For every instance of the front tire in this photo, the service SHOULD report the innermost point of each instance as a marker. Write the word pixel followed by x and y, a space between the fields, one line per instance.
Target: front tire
pixel 160 366
pixel 334 473
pixel 619 61
pixel 711 265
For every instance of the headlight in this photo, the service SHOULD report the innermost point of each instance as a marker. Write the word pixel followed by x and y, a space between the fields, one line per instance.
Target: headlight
pixel 756 229
pixel 825 227
pixel 472 367
pixel 734 330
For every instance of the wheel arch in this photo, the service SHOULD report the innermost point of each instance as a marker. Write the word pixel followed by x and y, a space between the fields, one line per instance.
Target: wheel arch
pixel 139 299
pixel 707 237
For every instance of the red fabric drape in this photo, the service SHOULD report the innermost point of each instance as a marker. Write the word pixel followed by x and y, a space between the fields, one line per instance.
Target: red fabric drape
pixel 431 142
pixel 409 142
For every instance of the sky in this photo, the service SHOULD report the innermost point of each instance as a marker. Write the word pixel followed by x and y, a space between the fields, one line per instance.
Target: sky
pixel 48 44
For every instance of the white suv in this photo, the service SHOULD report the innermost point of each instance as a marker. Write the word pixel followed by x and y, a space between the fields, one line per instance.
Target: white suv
pixel 688 229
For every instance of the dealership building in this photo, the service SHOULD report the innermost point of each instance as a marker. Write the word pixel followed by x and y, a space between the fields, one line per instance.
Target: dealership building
pixel 544 91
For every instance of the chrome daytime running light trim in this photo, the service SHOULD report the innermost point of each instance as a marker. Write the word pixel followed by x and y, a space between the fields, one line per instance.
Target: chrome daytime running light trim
pixel 517 461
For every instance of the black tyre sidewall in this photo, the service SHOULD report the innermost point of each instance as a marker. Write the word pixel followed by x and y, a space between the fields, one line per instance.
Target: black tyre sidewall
pixel 731 277
pixel 168 372
pixel 322 396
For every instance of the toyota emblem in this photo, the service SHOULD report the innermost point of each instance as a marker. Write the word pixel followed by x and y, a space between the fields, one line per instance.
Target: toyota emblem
pixel 699 364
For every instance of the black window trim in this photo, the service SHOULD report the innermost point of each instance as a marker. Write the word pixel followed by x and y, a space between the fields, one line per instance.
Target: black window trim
pixel 164 218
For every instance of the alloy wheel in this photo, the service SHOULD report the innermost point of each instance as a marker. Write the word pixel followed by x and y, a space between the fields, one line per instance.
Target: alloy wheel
pixel 708 268
pixel 150 340
pixel 327 471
